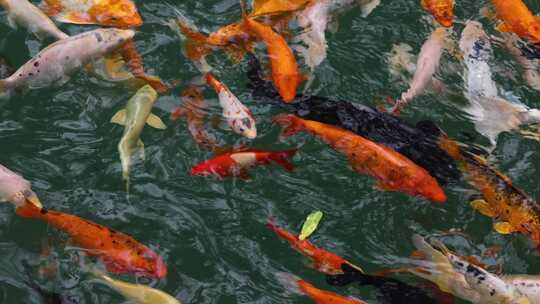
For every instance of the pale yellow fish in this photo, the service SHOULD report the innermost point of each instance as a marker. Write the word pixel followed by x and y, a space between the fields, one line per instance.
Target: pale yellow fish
pixel 310 225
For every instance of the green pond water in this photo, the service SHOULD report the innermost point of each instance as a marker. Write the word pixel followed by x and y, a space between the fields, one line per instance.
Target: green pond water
pixel 211 232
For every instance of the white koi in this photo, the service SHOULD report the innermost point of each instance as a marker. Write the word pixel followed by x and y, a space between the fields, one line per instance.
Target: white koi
pixel 25 14
pixel 491 113
pixel 58 61
pixel 426 66
pixel 15 189
pixel 528 285
pixel 134 117
pixel 238 116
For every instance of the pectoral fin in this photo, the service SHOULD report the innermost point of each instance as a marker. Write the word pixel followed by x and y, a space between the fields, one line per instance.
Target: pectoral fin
pixel 504 28
pixel 155 122
pixel 119 117
pixel 483 207
pixel 74 18
pixel 504 228
pixel 140 145
pixel 11 22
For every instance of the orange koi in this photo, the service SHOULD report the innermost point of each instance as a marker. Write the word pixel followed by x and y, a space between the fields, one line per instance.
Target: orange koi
pixel 193 109
pixel 271 7
pixel 116 13
pixel 319 296
pixel 120 252
pixel 393 171
pixel 442 10
pixel 323 261
pixel 135 63
pixel 285 73
pixel 518 19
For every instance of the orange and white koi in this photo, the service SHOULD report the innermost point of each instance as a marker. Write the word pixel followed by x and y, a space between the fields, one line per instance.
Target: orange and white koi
pixel 285 74
pixel 392 170
pixel 120 252
pixel 323 261
pixel 193 110
pixel 296 285
pixel 518 19
pixel 238 163
pixel 117 13
pixel 238 116
pixel 442 10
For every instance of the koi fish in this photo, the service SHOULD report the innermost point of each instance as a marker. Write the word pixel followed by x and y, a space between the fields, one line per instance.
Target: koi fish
pixel 518 19
pixel 273 7
pixel 323 261
pixel 285 73
pixel 15 189
pixel 298 286
pixel 389 290
pixel 400 59
pixel 137 293
pixel 120 252
pixel 437 268
pixel 24 13
pixel 514 210
pixel 442 10
pixel 193 109
pixel 393 171
pixel 419 143
pixel 428 62
pixel 116 13
pixel 528 285
pixel 136 114
pixel 491 113
pixel 490 287
pixel 527 56
pixel 238 116
pixel 55 63
pixel 238 163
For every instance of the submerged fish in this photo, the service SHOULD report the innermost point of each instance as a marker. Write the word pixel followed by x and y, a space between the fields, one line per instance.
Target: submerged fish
pixel 15 189
pixel 491 113
pixel 238 163
pixel 120 252
pixel 58 61
pixel 491 288
pixel 238 116
pixel 528 285
pixel 322 260
pixel 428 62
pixel 390 291
pixel 137 113
pixel 442 10
pixel 527 56
pixel 514 211
pixel 393 171
pixel 194 109
pixel 298 286
pixel 420 143
pixel 117 13
pixel 518 19
pixel 24 13
pixel 285 73
pixel 137 293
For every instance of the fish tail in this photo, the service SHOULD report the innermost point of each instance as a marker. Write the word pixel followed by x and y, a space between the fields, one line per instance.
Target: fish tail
pixel 281 158
pixel 196 47
pixel 290 282
pixel 291 123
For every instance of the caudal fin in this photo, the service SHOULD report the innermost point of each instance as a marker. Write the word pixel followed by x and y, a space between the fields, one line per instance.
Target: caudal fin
pixel 290 282
pixel 281 159
pixel 291 123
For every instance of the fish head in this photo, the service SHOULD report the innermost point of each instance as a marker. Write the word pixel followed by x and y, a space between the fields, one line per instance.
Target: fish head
pixel 228 34
pixel 15 189
pixel 473 38
pixel 533 31
pixel 431 190
pixel 444 13
pixel 119 13
pixel 110 39
pixel 287 86
pixel 245 126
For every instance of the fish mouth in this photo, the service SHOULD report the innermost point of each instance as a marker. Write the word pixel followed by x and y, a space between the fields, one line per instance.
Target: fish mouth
pixel 127 34
pixel 251 134
pixel 33 199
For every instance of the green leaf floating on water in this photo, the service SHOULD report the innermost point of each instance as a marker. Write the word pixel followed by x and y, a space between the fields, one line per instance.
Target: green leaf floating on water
pixel 310 225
